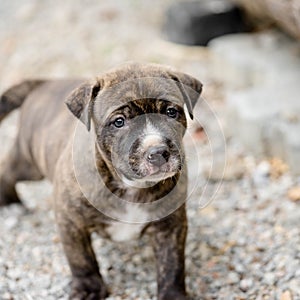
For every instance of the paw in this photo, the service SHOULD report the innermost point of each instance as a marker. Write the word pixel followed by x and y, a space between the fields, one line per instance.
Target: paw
pixel 88 288
pixel 173 295
pixel 86 295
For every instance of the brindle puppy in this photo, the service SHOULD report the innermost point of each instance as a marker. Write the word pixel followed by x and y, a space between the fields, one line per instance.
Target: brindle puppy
pixel 128 146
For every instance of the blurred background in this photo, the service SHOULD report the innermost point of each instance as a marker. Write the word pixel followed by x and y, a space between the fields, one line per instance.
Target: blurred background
pixel 79 38
pixel 246 243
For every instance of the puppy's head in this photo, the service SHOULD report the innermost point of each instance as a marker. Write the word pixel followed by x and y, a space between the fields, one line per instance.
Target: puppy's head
pixel 138 115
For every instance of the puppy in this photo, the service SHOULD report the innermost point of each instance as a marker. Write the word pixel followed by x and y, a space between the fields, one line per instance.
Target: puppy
pixel 119 172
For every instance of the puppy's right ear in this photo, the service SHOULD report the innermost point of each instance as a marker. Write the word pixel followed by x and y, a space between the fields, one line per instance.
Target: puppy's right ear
pixel 190 88
pixel 81 101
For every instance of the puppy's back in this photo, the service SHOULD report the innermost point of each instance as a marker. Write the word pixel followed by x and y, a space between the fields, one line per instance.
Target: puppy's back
pixel 46 125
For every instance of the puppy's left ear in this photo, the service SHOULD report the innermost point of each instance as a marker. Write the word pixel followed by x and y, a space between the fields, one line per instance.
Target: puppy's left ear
pixel 81 101
pixel 190 88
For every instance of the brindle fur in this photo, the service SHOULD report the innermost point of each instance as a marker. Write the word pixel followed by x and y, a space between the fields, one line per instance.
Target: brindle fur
pixel 43 148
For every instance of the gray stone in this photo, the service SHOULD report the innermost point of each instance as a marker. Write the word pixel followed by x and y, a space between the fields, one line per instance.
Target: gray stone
pixel 263 107
pixel 240 268
pixel 245 60
pixel 7 296
pixel 246 284
pixel 233 278
pixel 11 222
pixel 270 278
pixel 256 117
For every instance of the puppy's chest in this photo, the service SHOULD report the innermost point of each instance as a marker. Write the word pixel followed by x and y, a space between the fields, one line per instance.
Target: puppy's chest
pixel 120 231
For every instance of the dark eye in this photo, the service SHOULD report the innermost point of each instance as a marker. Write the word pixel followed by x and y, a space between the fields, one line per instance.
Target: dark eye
pixel 119 122
pixel 172 112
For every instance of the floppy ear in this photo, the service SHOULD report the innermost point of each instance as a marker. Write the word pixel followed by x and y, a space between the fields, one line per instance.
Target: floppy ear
pixel 190 88
pixel 80 102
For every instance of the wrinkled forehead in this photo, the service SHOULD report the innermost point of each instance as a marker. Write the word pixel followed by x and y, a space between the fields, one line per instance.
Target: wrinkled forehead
pixel 149 89
pixel 146 106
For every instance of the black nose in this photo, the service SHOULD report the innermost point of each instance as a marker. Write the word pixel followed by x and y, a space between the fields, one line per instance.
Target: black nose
pixel 158 155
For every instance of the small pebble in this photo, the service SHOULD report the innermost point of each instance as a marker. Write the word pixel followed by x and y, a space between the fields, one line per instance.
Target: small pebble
pixel 270 278
pixel 246 284
pixel 7 296
pixel 294 193
pixel 11 222
pixel 233 278
pixel 287 295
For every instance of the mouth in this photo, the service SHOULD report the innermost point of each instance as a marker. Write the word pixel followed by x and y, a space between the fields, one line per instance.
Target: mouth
pixel 148 180
pixel 153 174
pixel 158 176
pixel 151 170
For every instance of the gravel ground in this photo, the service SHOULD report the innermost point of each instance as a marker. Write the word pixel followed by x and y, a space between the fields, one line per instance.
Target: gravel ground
pixel 244 245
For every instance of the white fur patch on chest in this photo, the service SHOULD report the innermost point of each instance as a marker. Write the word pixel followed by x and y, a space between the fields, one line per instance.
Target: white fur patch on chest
pixel 120 232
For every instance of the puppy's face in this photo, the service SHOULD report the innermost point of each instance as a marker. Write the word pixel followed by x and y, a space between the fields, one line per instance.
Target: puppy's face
pixel 137 112
pixel 143 140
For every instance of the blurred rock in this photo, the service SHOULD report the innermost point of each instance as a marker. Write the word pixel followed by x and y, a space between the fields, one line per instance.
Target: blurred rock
pixel 246 284
pixel 197 22
pixel 7 296
pixel 233 278
pixel 286 296
pixel 246 60
pixel 270 278
pixel 294 193
pixel 260 125
pixel 263 112
pixel 261 173
pixel 278 168
pixel 11 222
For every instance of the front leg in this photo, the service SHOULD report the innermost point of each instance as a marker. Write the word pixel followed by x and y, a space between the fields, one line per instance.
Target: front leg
pixel 169 238
pixel 87 282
